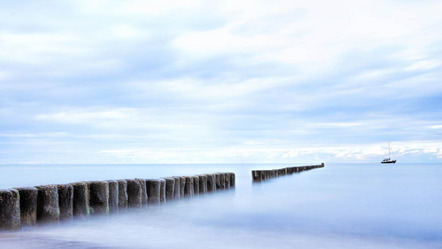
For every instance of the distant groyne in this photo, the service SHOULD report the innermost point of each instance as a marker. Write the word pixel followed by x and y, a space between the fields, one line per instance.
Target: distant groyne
pixel 262 175
pixel 20 207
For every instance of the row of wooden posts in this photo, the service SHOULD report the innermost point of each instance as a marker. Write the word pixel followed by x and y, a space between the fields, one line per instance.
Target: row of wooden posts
pixel 53 203
pixel 262 175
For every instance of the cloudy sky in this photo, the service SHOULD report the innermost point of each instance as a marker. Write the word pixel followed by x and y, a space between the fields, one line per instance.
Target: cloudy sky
pixel 220 81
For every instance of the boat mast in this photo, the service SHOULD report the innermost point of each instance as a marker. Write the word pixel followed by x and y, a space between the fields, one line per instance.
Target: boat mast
pixel 389 150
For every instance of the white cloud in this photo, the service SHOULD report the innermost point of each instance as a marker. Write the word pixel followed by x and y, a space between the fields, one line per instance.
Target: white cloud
pixel 226 81
pixel 86 117
pixel 34 135
pixel 40 48
pixel 344 153
pixel 424 65
pixel 128 32
pixel 135 7
pixel 436 127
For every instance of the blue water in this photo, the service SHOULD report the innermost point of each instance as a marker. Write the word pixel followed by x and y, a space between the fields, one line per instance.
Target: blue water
pixel 339 206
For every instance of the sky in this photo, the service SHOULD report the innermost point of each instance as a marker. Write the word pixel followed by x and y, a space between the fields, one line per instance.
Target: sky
pixel 220 81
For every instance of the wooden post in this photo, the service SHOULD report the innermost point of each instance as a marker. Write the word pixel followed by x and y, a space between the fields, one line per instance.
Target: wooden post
pixel 177 188
pixel 153 191
pixel 122 195
pixel 134 194
pixel 170 188
pixel 28 206
pixel 232 180
pixel 81 199
pixel 211 182
pixel 227 183
pixel 113 196
pixel 218 181
pixel 162 190
pixel 188 189
pixel 183 186
pixel 9 210
pixel 196 185
pixel 203 184
pixel 99 197
pixel 66 201
pixel 47 204
pixel 222 181
pixel 144 196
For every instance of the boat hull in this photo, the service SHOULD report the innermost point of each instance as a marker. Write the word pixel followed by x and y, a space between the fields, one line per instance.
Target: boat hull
pixel 393 161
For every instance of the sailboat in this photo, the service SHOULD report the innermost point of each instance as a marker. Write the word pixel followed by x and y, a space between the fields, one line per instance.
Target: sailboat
pixel 388 160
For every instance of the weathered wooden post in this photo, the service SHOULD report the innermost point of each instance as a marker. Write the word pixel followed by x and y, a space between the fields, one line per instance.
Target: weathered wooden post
pixel 9 210
pixel 211 182
pixel 113 196
pixel 188 188
pixel 218 181
pixel 99 197
pixel 28 206
pixel 66 201
pixel 227 183
pixel 47 204
pixel 81 199
pixel 263 175
pixel 170 188
pixel 134 194
pixel 177 188
pixel 144 195
pixel 256 176
pixel 162 190
pixel 196 185
pixel 122 195
pixel 183 186
pixel 203 184
pixel 222 181
pixel 232 180
pixel 153 191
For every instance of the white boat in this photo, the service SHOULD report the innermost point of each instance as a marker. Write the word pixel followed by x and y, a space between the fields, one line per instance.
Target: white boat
pixel 388 159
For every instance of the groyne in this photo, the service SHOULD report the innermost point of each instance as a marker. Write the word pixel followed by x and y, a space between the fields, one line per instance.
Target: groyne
pixel 262 175
pixel 21 207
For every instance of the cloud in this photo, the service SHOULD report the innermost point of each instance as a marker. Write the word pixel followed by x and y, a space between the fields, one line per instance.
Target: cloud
pixel 228 81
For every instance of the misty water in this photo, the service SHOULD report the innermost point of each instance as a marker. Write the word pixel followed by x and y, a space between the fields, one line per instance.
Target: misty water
pixel 339 206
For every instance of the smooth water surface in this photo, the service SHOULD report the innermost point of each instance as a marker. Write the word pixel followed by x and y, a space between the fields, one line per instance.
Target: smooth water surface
pixel 339 206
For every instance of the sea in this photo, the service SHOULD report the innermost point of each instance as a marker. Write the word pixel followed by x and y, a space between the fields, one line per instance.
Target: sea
pixel 368 205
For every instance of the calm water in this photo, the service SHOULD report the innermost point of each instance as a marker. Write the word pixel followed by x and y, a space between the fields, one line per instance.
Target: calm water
pixel 339 206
